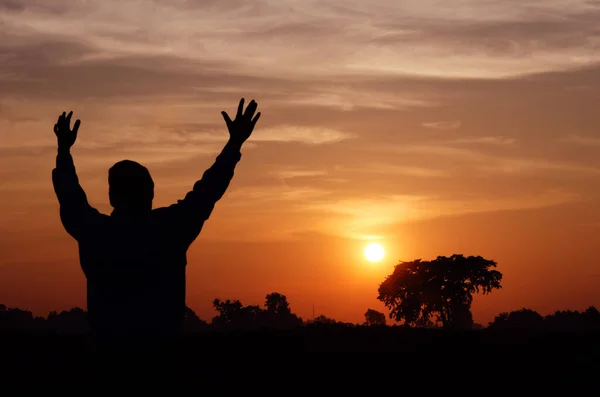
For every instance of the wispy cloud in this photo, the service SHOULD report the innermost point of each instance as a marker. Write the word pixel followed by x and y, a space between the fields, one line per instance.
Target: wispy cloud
pixel 443 125
pixel 582 140
pixel 475 39
pixel 149 78
pixel 404 170
pixel 485 140
pixel 308 135
pixel 261 197
pixel 291 172
pixel 510 163
pixel 348 100
pixel 354 217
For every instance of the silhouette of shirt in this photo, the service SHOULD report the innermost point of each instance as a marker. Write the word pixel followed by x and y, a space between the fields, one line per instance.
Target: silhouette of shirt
pixel 135 263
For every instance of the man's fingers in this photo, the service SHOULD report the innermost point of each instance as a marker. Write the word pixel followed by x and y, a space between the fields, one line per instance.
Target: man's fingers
pixel 251 109
pixel 69 116
pixel 240 109
pixel 227 119
pixel 255 119
pixel 56 129
pixel 61 120
pixel 76 126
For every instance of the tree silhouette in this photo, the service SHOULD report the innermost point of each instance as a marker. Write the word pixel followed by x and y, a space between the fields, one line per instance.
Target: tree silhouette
pixel 322 319
pixel 232 314
pixel 278 313
pixel 592 318
pixel 373 317
pixel 22 320
pixel 518 319
pixel 74 321
pixel 277 303
pixel 443 287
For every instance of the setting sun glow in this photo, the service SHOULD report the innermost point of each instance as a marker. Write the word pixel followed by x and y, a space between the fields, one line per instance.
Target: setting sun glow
pixel 374 252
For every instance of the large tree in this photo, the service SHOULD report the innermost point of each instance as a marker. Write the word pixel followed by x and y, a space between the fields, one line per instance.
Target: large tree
pixel 419 290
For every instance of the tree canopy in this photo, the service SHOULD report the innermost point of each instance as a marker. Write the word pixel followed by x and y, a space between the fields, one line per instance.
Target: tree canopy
pixel 373 317
pixel 277 314
pixel 418 290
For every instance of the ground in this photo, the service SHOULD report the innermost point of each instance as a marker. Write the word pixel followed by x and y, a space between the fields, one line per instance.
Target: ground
pixel 391 359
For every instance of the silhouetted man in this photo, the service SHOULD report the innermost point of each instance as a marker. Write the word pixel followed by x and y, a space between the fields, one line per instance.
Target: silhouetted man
pixel 134 260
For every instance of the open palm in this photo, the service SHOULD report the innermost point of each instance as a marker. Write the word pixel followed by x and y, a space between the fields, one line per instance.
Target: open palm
pixel 241 128
pixel 65 135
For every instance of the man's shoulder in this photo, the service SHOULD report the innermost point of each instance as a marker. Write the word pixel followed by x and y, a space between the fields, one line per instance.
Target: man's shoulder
pixel 162 212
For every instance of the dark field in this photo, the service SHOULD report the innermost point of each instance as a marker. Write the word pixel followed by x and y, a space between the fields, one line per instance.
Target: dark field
pixel 349 358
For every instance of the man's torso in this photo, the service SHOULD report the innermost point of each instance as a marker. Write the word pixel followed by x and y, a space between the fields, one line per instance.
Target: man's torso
pixel 135 270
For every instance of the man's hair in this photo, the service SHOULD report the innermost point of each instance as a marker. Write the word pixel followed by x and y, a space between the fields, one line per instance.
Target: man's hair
pixel 130 186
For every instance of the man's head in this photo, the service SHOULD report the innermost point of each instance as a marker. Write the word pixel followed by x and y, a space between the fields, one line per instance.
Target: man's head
pixel 131 188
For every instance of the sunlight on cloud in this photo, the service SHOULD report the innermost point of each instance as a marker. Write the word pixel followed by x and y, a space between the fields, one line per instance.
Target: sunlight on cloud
pixel 489 163
pixel 262 198
pixel 435 149
pixel 308 135
pixel 475 39
pixel 12 135
pixel 582 140
pixel 147 155
pixel 412 171
pixel 284 133
pixel 348 100
pixel 486 140
pixel 290 173
pixel 516 165
pixel 443 125
pixel 517 202
pixel 352 218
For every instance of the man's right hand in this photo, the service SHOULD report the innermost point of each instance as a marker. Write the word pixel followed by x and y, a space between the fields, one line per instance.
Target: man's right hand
pixel 241 128
pixel 65 135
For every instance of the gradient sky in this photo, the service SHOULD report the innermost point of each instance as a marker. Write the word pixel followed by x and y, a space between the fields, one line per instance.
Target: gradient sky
pixel 437 127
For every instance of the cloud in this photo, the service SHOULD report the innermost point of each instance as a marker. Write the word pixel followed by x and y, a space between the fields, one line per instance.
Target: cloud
pixel 339 83
pixel 172 136
pixel 89 76
pixel 411 171
pixel 291 172
pixel 436 149
pixel 12 5
pixel 348 100
pixel 486 140
pixel 582 140
pixel 147 155
pixel 354 217
pixel 443 125
pixel 478 160
pixel 269 198
pixel 493 39
pixel 308 135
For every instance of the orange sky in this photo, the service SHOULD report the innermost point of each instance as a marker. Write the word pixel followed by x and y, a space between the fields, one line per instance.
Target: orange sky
pixel 457 127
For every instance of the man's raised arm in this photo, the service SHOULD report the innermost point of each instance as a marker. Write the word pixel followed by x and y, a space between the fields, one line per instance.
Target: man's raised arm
pixel 199 203
pixel 75 211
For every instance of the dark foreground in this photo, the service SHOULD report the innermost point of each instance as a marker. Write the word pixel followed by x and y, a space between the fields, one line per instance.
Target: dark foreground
pixel 389 359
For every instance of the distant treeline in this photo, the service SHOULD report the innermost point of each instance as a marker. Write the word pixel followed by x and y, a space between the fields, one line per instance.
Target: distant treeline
pixel 276 314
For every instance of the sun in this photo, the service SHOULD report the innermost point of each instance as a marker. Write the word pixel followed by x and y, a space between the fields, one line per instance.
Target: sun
pixel 374 252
